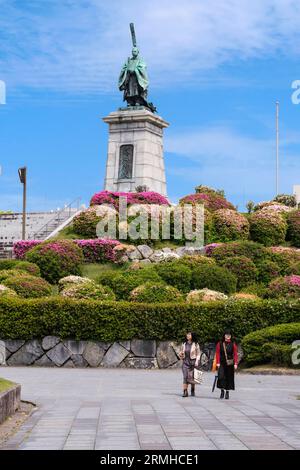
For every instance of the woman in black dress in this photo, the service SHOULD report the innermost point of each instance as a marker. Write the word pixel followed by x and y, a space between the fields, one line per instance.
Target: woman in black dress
pixel 190 353
pixel 227 362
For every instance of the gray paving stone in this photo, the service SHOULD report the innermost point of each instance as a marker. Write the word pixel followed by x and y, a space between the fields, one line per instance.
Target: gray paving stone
pixel 115 409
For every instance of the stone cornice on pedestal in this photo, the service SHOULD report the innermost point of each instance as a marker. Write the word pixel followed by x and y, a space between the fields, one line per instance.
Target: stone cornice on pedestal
pixel 139 115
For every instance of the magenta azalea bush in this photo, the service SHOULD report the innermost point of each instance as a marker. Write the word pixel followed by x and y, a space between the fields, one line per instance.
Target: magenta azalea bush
pixel 208 249
pixel 230 225
pixel 288 286
pixel 100 250
pixel 21 247
pixel 243 268
pixel 111 197
pixel 268 228
pixel 211 201
pixel 56 259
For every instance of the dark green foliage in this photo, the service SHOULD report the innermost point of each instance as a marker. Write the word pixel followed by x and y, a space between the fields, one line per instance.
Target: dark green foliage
pixel 123 283
pixel 215 278
pixel 175 274
pixel 31 268
pixel 243 268
pixel 112 321
pixel 28 286
pixel 152 293
pixel 293 233
pixel 271 345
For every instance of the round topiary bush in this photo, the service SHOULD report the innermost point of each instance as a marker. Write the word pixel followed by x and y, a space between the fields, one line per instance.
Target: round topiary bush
pixel 287 286
pixel 267 271
pixel 56 259
pixel 268 228
pixel 211 200
pixel 88 290
pixel 29 286
pixel 70 281
pixel 243 296
pixel 285 257
pixel 252 250
pixel 293 232
pixel 30 268
pixel 286 199
pixel 271 345
pixel 243 268
pixel 175 274
pixel 230 225
pixel 205 295
pixel 7 292
pixel 11 273
pixel 123 283
pixel 214 278
pixel 153 293
pixel 86 222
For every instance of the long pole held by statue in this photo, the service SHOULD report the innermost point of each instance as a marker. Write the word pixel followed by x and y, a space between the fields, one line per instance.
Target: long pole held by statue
pixel 133 34
pixel 23 180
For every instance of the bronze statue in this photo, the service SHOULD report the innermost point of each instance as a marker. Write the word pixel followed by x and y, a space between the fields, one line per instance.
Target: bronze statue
pixel 134 78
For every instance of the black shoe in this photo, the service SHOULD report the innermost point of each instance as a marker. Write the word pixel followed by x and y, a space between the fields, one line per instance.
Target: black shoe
pixel 222 394
pixel 227 395
pixel 192 391
pixel 185 393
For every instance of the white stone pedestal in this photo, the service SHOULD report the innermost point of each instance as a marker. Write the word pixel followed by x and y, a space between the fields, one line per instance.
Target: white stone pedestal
pixel 135 151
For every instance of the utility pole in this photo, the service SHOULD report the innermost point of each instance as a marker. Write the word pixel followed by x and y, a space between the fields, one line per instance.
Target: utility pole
pixel 23 179
pixel 277 148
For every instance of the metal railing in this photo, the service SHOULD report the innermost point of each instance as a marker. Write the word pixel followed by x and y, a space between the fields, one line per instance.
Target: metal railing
pixel 58 219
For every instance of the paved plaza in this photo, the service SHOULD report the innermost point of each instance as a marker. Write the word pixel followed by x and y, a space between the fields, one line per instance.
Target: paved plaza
pixel 143 409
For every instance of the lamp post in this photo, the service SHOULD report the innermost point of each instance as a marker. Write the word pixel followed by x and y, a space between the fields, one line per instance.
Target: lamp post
pixel 277 148
pixel 23 179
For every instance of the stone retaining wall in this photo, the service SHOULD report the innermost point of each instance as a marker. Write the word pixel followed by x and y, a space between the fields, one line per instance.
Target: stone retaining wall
pixel 9 402
pixel 52 351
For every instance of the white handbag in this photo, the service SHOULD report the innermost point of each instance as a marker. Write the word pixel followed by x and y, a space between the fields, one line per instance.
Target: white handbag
pixel 198 376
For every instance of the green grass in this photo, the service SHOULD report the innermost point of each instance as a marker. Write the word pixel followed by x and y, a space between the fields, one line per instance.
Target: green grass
pixel 5 385
pixel 68 233
pixel 93 270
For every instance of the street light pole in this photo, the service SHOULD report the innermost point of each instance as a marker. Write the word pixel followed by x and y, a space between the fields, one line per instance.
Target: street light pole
pixel 23 179
pixel 277 148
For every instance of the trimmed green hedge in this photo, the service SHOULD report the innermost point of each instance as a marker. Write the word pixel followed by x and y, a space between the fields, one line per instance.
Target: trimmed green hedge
pixel 112 321
pixel 271 345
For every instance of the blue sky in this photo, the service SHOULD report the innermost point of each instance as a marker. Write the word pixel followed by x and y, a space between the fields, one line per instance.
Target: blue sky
pixel 216 69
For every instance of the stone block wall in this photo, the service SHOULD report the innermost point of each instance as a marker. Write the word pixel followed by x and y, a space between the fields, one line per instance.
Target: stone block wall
pixel 52 351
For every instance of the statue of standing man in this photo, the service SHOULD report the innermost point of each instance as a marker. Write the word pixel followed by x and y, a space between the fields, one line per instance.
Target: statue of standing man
pixel 133 78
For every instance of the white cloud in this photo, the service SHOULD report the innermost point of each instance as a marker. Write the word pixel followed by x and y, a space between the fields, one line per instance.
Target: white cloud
pixel 221 157
pixel 68 45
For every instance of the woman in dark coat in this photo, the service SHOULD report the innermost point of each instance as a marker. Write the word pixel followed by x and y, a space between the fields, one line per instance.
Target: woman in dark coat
pixel 190 354
pixel 227 362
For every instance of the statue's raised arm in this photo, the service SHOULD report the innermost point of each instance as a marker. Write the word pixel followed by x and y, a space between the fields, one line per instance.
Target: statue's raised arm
pixel 133 79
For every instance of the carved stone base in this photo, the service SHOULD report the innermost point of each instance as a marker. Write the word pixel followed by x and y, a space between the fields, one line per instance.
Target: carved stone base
pixel 144 165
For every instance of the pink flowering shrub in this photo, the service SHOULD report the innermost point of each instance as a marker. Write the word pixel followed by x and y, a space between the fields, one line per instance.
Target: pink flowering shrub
pixel 288 286
pixel 21 247
pixel 268 228
pixel 110 197
pixel 212 201
pixel 100 250
pixel 56 259
pixel 279 208
pixel 230 225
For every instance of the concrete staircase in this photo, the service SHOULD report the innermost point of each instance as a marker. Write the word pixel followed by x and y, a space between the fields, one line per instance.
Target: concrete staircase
pixel 39 226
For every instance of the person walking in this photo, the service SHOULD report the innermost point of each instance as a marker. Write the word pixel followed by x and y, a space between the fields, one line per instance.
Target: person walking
pixel 190 354
pixel 227 363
